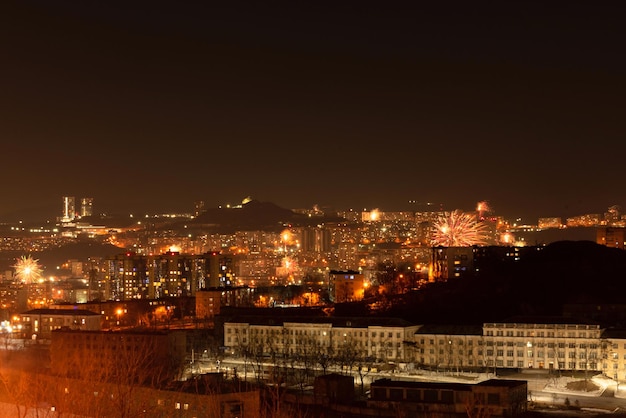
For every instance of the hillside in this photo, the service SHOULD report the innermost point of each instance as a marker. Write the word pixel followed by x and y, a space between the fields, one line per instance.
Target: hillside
pixel 565 272
pixel 252 216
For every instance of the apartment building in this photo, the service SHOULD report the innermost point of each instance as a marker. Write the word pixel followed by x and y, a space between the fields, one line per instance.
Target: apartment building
pixel 345 285
pixel 171 274
pixel 382 339
pixel 39 323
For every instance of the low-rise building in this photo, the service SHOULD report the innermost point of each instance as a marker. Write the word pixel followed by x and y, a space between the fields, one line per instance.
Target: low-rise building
pixel 41 322
pixel 546 343
pixel 551 343
pixel 379 339
pixel 494 397
pixel 126 356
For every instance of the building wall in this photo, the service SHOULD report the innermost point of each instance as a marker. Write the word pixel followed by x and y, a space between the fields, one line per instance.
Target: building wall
pixel 611 237
pixel 373 342
pixel 43 321
pixel 346 286
pixel 452 263
pixel 208 303
pixel 91 398
pixel 558 347
pixel 135 276
pixel 436 399
pixel 614 365
pixel 129 357
pixel 561 347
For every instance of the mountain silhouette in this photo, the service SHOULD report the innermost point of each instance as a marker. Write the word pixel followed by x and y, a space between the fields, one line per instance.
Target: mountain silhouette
pixel 254 216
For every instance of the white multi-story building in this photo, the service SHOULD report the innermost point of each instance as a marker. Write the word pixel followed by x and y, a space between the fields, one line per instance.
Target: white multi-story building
pixel 382 339
pixel 552 343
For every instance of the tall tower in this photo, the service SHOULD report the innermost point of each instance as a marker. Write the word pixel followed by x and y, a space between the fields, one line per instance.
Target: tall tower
pixel 86 206
pixel 69 209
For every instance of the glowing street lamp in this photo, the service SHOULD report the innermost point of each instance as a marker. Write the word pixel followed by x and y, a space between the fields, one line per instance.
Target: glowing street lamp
pixel 119 313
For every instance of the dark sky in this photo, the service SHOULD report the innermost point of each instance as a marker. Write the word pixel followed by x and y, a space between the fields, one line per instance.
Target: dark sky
pixel 149 106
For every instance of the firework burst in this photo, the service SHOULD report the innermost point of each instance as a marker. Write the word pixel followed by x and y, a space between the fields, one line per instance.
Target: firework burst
pixel 459 229
pixel 482 207
pixel 27 269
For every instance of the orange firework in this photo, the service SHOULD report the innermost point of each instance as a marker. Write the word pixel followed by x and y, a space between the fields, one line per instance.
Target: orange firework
pixel 27 269
pixel 459 229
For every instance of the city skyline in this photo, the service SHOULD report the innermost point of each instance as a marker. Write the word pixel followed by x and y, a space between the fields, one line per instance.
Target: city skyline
pixel 73 208
pixel 363 106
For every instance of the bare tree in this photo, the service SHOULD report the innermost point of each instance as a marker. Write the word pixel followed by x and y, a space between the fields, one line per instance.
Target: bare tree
pixel 325 357
pixel 363 366
pixel 347 354
pixel 112 369
pixel 257 350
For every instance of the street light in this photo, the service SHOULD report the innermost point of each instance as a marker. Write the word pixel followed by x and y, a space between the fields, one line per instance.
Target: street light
pixel 119 313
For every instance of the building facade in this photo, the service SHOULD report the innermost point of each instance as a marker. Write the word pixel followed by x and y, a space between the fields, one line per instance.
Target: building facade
pixel 172 274
pixel 376 339
pixel 41 322
pixel 451 263
pixel 140 356
pixel 345 285
pixel 613 237
pixel 551 344
pixel 495 397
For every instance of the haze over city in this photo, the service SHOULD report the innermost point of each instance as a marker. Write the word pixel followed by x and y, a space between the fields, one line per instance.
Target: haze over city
pixel 148 107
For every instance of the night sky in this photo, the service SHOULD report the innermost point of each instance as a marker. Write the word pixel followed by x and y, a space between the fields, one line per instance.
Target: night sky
pixel 150 106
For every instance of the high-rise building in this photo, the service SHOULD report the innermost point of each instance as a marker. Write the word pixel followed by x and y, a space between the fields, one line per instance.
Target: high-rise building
pixel 171 274
pixel 315 240
pixel 69 209
pixel 86 206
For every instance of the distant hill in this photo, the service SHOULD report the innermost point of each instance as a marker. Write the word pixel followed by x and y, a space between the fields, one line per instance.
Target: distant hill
pixel 253 216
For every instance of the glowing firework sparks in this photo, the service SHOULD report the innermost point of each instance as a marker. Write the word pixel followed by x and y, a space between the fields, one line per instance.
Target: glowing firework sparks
pixel 507 238
pixel 459 229
pixel 482 208
pixel 27 269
